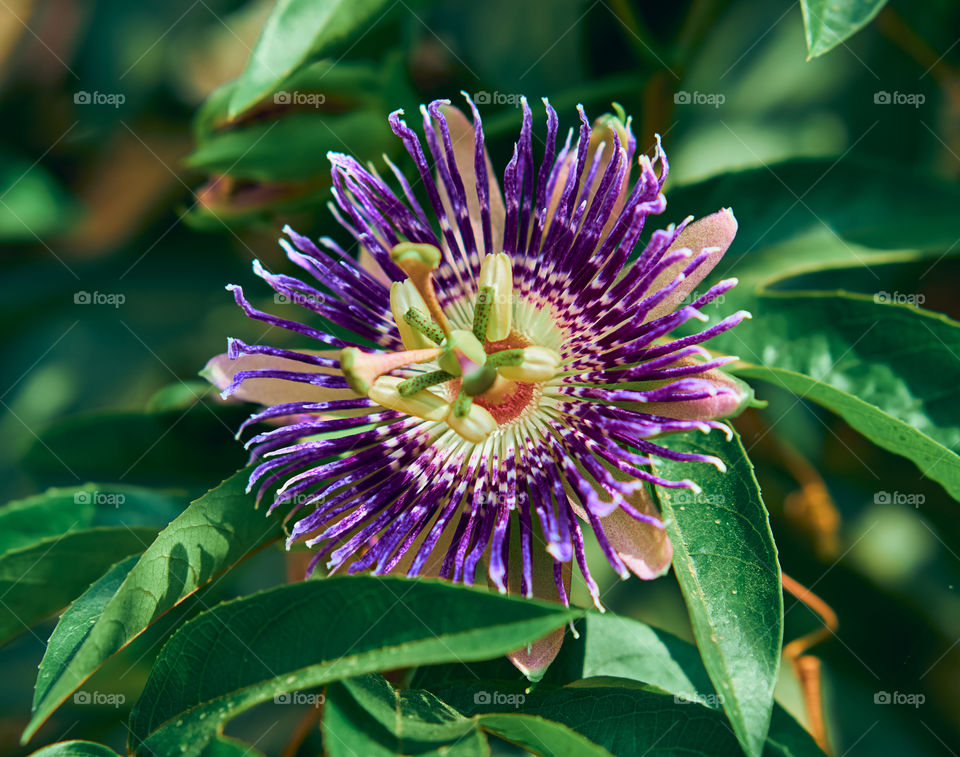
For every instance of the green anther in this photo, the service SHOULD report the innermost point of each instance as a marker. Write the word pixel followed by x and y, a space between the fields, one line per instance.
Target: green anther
pixel 417 383
pixel 424 325
pixel 505 357
pixel 462 405
pixel 481 313
pixel 479 381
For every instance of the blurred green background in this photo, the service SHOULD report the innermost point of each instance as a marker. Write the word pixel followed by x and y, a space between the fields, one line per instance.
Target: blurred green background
pixel 127 203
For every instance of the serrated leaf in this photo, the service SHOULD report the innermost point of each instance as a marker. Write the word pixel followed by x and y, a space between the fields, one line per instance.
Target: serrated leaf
pixel 76 623
pixel 213 533
pixel 830 22
pixel 891 371
pixel 38 580
pixel 297 32
pixel 307 634
pixel 726 564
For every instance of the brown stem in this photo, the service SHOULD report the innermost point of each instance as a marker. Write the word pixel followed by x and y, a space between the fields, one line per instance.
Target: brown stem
pixel 807 667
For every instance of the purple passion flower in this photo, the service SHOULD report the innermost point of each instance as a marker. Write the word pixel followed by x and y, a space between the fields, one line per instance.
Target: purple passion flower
pixel 500 367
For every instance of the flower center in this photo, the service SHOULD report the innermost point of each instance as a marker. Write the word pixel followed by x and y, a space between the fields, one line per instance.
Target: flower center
pixel 481 379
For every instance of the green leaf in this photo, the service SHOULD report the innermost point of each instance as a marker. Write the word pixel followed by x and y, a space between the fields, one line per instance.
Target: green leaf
pixel 541 736
pixel 878 215
pixel 830 22
pixel 609 648
pixel 307 634
pixel 57 511
pixel 414 721
pixel 891 371
pixel 726 563
pixel 365 715
pixel 297 32
pixel 75 625
pixel 75 749
pixel 38 580
pixel 626 718
pixel 213 533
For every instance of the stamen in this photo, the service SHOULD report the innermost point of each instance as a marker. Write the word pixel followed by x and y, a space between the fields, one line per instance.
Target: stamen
pixel 361 369
pixel 481 313
pixel 424 325
pixel 403 296
pixel 415 384
pixel 424 404
pixel 505 357
pixel 496 272
pixel 419 261
pixel 538 364
pixel 475 426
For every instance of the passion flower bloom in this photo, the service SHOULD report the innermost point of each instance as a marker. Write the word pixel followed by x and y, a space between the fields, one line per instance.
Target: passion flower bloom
pixel 500 364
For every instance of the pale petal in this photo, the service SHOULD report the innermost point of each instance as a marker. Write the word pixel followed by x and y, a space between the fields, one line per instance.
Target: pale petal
pixel 645 549
pixel 534 659
pixel 714 232
pixel 220 371
pixel 462 136
pixel 725 404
